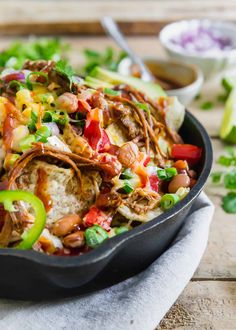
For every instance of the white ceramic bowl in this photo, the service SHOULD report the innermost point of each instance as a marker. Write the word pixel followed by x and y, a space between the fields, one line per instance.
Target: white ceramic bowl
pixel 189 77
pixel 209 62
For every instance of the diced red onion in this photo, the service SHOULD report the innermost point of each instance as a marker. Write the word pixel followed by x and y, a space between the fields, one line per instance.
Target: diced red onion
pixel 202 40
pixel 53 127
pixel 17 75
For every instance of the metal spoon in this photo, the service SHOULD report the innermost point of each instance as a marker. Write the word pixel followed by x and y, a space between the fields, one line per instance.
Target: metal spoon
pixel 113 31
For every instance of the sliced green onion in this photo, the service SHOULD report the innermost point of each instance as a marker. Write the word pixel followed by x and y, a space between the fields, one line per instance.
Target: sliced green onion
pixel 166 174
pixel 33 121
pixel 126 174
pixel 110 91
pixel 80 116
pixel 170 172
pixel 58 117
pixel 95 235
pixel 26 142
pixel 16 84
pixel 10 160
pixel 162 174
pixel 120 230
pixel 168 201
pixel 30 84
pixel 143 106
pixel 127 187
pixel 42 134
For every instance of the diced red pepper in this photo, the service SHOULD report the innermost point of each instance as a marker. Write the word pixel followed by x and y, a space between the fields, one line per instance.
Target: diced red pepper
pixel 188 152
pixel 95 134
pixel 93 130
pixel 147 160
pixel 105 142
pixel 83 106
pixel 154 182
pixel 97 217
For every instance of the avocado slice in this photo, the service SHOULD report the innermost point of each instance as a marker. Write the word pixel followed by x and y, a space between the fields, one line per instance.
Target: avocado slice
pixel 151 89
pixel 96 83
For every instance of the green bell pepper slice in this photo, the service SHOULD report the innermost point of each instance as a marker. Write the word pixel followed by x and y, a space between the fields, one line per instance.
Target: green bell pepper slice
pixel 29 237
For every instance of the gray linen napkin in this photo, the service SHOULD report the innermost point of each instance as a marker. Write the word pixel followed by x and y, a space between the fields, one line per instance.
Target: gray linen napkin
pixel 138 303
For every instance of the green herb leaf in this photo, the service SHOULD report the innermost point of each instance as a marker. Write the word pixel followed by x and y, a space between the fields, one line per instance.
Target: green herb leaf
pixel 216 176
pixel 207 105
pixel 198 96
pixel 18 52
pixel 64 69
pixel 222 98
pixel 229 202
pixel 226 161
pixel 230 180
pixel 108 59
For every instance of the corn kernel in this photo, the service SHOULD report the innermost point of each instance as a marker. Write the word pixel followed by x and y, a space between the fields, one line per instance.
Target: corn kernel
pixel 23 96
pixel 18 134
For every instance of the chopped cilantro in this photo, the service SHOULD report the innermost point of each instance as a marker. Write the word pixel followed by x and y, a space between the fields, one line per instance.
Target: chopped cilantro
pixel 227 179
pixel 222 98
pixel 48 49
pixel 226 161
pixel 230 180
pixel 65 70
pixel 229 202
pixel 207 105
pixel 216 176
pixel 108 59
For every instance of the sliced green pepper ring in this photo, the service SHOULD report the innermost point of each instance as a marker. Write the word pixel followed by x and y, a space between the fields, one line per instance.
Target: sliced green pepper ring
pixel 29 237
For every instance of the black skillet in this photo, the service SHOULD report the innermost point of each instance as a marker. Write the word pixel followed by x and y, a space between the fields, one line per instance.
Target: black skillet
pixel 33 275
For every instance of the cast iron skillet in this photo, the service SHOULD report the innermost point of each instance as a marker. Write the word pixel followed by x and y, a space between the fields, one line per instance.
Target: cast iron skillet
pixel 33 275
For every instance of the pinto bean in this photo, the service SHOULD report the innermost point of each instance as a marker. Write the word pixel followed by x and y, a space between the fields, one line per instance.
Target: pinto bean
pixel 68 102
pixel 178 181
pixel 192 174
pixel 74 240
pixel 66 224
pixel 127 154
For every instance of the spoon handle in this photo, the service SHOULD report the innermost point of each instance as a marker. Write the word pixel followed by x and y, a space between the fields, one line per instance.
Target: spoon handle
pixel 113 30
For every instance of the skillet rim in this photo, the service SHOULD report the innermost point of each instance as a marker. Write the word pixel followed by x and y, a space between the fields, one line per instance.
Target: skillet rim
pixel 114 243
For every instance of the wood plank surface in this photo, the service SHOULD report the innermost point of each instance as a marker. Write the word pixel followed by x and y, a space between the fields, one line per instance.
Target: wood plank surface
pixel 203 306
pixel 82 17
pixel 219 260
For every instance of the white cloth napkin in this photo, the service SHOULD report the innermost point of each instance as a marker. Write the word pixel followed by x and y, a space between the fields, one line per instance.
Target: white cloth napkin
pixel 138 303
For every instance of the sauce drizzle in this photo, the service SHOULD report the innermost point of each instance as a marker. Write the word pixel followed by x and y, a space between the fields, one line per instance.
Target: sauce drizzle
pixel 41 189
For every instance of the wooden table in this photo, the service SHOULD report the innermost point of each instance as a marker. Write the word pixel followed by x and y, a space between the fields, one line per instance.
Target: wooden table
pixel 209 300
